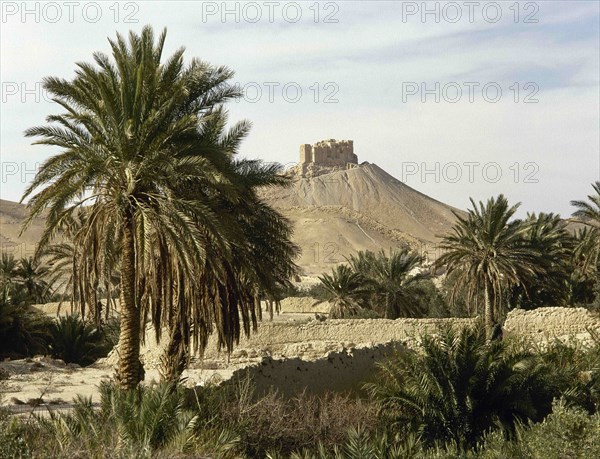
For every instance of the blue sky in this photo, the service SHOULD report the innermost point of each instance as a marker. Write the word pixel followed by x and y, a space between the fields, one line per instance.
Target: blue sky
pixel 354 76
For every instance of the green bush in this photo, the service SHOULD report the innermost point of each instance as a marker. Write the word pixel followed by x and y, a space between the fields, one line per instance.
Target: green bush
pixel 460 386
pixel 77 341
pixel 12 438
pixel 567 433
pixel 142 423
pixel 23 330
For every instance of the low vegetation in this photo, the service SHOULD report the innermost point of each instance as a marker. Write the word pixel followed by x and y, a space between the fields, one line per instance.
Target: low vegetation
pixel 457 396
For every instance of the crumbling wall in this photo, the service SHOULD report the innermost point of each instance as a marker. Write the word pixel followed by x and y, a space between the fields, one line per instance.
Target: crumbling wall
pixel 345 370
pixel 549 323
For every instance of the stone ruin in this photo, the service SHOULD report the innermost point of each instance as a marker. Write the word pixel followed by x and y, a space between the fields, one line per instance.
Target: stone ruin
pixel 326 156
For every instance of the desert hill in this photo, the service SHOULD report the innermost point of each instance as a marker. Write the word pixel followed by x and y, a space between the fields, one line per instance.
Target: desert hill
pixel 12 216
pixel 339 207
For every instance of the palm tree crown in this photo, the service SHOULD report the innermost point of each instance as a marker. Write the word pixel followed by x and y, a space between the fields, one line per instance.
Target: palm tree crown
pixel 489 253
pixel 392 280
pixel 589 212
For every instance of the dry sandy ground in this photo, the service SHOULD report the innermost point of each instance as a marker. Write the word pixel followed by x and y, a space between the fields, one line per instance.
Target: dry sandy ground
pixel 52 384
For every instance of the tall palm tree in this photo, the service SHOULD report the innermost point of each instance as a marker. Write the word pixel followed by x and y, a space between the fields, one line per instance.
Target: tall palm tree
pixel 392 279
pixel 232 281
pixel 489 253
pixel 589 212
pixel 345 291
pixel 135 131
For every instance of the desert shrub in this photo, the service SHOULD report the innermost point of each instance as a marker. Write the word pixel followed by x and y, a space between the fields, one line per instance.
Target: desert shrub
pixel 12 438
pixel 460 386
pixel 145 422
pixel 23 330
pixel 576 371
pixel 567 433
pixel 77 341
pixel 274 423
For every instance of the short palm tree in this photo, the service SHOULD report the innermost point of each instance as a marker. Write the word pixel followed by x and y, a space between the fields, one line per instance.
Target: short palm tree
pixel 489 253
pixel 8 268
pixel 136 130
pixel 76 341
pixel 458 386
pixel 32 276
pixel 589 212
pixel 345 291
pixel 393 280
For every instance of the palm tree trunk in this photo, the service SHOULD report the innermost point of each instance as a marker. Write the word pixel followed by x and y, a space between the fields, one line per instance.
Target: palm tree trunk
pixel 174 359
pixel 489 310
pixel 389 313
pixel 130 370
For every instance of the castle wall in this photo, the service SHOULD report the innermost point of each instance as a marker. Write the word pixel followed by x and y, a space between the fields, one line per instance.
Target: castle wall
pixel 306 154
pixel 329 153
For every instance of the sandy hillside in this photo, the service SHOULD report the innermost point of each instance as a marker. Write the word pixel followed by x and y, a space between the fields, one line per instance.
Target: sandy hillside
pixel 12 215
pixel 362 208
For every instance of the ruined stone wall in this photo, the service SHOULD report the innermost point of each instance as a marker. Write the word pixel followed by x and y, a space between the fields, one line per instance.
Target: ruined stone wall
pixel 341 354
pixel 550 323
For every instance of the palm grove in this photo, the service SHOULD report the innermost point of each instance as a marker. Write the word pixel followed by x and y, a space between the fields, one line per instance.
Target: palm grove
pixel 147 199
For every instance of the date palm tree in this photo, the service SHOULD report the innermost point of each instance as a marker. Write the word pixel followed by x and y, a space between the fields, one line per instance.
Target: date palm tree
pixel 8 268
pixel 589 212
pixel 546 234
pixel 392 280
pixel 32 274
pixel 231 282
pixel 489 253
pixel 136 129
pixel 588 250
pixel 345 290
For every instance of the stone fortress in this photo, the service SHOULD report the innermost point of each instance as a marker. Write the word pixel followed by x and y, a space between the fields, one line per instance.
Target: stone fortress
pixel 326 156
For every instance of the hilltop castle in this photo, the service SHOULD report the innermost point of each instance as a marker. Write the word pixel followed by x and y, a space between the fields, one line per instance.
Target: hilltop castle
pixel 326 156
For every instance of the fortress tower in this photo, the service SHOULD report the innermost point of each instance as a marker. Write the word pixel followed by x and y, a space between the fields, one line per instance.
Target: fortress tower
pixel 327 156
